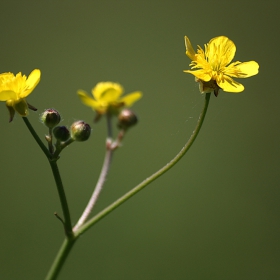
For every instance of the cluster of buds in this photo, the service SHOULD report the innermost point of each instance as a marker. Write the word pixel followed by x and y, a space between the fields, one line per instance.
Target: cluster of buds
pixel 79 131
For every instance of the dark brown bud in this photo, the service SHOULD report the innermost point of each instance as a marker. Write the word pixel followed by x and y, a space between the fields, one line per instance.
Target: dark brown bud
pixel 126 118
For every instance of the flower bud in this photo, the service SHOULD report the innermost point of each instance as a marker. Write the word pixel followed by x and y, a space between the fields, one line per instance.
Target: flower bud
pixel 126 119
pixel 61 133
pixel 50 118
pixel 80 131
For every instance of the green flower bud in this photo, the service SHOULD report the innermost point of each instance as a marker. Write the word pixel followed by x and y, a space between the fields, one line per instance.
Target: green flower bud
pixel 61 133
pixel 50 118
pixel 80 131
pixel 126 119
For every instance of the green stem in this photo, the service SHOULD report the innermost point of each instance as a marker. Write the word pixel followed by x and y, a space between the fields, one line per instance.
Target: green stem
pixel 63 200
pixel 69 242
pixel 70 238
pixel 50 141
pixel 60 258
pixel 60 146
pixel 58 181
pixel 147 181
pixel 36 137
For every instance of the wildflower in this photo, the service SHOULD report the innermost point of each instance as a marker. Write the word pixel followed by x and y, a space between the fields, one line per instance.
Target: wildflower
pixel 107 98
pixel 213 71
pixel 15 88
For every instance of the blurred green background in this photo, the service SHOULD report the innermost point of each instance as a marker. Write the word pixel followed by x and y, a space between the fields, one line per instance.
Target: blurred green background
pixel 215 215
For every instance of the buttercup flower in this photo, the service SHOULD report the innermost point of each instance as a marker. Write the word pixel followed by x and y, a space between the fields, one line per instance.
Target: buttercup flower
pixel 107 98
pixel 15 88
pixel 213 67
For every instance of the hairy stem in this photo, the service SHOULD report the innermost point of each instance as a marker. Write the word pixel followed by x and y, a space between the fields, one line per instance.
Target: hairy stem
pixel 97 190
pixel 102 176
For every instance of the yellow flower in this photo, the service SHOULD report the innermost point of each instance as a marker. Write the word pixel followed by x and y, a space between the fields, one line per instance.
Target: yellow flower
pixel 15 88
pixel 213 69
pixel 107 98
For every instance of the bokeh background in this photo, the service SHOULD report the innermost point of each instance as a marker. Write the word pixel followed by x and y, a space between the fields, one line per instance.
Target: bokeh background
pixel 216 214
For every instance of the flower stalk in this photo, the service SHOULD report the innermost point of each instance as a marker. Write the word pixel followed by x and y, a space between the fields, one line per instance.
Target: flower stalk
pixel 68 243
pixel 97 190
pixel 150 179
pixel 60 258
pixel 58 181
pixel 63 199
pixel 36 137
pixel 102 176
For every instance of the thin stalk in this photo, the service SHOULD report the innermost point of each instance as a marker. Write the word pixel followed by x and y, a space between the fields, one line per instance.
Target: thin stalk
pixel 60 146
pixel 58 181
pixel 109 125
pixel 150 179
pixel 36 137
pixel 101 179
pixel 63 200
pixel 97 190
pixel 50 140
pixel 60 258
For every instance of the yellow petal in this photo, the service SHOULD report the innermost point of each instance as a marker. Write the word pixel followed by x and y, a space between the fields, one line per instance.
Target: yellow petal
pixel 5 77
pixel 229 85
pixel 21 107
pixel 110 96
pixel 6 82
pixel 220 51
pixel 189 49
pixel 200 74
pixel 31 82
pixel 7 94
pixel 243 70
pixel 129 99
pixel 87 100
pixel 107 91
